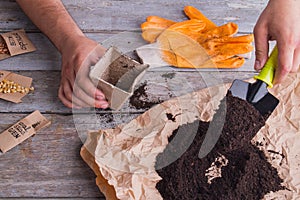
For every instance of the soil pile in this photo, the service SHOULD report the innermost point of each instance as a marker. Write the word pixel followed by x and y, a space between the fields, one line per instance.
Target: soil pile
pixel 234 169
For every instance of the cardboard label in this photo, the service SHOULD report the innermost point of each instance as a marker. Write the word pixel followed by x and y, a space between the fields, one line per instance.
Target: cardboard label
pixel 15 43
pixel 22 130
pixel 18 79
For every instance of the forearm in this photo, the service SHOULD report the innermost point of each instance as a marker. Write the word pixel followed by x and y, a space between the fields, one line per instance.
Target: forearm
pixel 52 19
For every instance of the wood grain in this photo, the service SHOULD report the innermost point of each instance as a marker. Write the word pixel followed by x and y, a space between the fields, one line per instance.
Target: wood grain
pixel 46 57
pixel 71 198
pixel 46 84
pixel 49 164
pixel 115 15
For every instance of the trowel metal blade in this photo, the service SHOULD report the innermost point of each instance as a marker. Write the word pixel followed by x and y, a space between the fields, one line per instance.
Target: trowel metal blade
pixel 255 93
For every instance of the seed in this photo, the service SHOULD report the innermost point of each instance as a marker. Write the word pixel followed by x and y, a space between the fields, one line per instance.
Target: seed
pixel 3 48
pixel 8 87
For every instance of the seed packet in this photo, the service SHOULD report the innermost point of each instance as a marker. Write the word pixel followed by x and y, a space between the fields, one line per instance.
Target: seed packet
pixel 22 130
pixel 13 87
pixel 15 43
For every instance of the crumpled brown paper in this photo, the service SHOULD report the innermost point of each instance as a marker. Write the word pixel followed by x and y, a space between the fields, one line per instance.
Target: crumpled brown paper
pixel 125 155
pixel 281 135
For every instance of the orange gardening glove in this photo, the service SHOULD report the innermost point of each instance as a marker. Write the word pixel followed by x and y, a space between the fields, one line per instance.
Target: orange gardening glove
pixel 184 43
pixel 153 27
pixel 194 13
pixel 224 48
pixel 179 47
pixel 218 41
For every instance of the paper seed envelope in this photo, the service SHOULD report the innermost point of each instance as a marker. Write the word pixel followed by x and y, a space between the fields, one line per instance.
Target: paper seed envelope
pixel 15 43
pixel 19 79
pixel 22 130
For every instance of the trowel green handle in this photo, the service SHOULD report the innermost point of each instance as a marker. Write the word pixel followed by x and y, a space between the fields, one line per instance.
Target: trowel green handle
pixel 267 73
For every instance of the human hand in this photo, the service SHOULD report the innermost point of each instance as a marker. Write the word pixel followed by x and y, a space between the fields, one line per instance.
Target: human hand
pixel 78 52
pixel 279 21
pixel 76 88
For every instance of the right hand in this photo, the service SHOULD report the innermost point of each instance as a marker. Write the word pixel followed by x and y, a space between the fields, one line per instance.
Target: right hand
pixel 279 21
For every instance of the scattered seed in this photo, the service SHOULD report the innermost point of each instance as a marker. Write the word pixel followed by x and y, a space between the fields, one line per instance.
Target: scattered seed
pixel 8 87
pixel 3 48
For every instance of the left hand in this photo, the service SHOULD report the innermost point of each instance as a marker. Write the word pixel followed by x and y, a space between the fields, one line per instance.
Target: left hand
pixel 76 88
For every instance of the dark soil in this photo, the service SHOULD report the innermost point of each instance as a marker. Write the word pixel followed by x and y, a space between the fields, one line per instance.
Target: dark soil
pixel 108 117
pixel 140 99
pixel 118 68
pixel 169 75
pixel 247 175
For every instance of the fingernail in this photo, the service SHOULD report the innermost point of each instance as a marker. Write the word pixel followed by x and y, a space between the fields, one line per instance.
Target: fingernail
pixel 100 97
pixel 257 65
pixel 99 93
pixel 102 105
pixel 105 105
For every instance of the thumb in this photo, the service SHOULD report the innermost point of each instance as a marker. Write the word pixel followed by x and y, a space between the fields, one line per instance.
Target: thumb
pixel 261 47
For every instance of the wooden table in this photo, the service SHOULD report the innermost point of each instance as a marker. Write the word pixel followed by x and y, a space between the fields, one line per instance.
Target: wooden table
pixel 48 165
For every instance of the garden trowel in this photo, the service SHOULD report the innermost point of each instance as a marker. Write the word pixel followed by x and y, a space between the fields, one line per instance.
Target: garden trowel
pixel 257 93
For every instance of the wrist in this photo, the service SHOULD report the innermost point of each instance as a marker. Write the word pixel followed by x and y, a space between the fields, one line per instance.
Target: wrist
pixel 69 40
pixel 77 47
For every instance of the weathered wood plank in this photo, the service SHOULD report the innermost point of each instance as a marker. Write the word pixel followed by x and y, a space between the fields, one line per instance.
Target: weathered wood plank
pixel 46 84
pixel 86 13
pixel 112 15
pixel 71 198
pixel 48 165
pixel 47 57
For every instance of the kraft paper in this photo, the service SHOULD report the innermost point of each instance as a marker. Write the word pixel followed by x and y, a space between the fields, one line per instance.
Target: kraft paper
pixel 125 155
